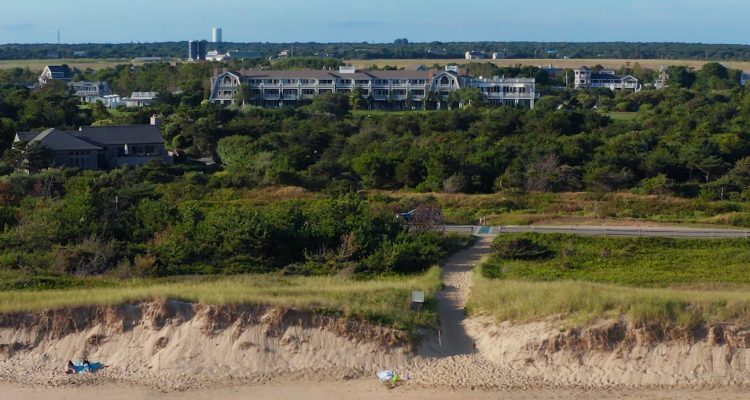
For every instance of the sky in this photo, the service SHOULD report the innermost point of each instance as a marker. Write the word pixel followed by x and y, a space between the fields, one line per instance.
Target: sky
pixel 375 21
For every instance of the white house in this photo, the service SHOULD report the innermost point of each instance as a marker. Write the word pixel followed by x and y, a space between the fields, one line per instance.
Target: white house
pixel 744 78
pixel 89 92
pixel 140 99
pixel 587 78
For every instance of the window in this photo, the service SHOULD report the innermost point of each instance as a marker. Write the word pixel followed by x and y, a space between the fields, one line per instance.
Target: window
pixel 345 81
pixel 321 91
pixel 308 92
pixel 362 82
pixel 78 158
pixel 271 92
pixel 290 92
pixel 325 81
pixel 444 80
pixel 150 150
pixel 417 92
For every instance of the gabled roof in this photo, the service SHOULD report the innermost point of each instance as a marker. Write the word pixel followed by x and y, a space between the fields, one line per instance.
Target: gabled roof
pixel 57 140
pixel 59 69
pixel 121 134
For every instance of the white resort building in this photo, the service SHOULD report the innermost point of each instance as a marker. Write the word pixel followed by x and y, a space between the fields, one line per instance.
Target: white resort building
pixel 587 78
pixel 402 89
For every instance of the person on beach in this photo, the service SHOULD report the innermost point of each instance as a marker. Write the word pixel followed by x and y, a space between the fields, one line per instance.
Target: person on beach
pixel 85 366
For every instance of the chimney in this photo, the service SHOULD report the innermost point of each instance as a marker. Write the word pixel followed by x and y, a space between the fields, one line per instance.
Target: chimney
pixel 156 120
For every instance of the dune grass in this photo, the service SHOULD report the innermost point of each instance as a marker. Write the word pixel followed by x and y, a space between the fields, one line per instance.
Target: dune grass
pixel 385 301
pixel 653 262
pixel 666 282
pixel 579 303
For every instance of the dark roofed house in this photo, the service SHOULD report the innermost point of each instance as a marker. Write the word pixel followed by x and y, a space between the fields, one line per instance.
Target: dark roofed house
pixel 55 72
pixel 102 147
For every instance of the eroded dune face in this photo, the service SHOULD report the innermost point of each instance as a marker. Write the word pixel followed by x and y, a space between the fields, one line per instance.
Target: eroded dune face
pixel 617 353
pixel 179 344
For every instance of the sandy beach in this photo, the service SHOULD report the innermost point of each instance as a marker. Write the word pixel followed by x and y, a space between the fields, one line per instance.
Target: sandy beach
pixel 359 389
pixel 174 349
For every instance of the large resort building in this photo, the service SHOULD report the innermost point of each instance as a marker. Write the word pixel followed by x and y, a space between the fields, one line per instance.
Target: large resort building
pixel 401 89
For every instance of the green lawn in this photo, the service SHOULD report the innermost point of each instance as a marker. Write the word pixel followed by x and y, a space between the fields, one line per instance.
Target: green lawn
pixel 385 301
pixel 622 116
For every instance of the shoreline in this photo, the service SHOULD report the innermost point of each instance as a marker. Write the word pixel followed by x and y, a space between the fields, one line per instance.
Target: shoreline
pixel 365 389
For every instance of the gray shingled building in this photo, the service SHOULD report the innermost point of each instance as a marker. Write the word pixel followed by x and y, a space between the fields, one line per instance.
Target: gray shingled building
pixel 102 147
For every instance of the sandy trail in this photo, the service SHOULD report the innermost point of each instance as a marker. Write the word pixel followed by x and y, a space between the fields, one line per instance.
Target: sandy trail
pixel 454 340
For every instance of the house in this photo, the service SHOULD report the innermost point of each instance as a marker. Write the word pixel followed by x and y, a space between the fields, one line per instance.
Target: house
pixel 552 72
pixel 102 147
pixel 140 99
pixel 587 78
pixel 79 53
pixel 497 55
pixel 399 89
pixel 475 55
pixel 744 78
pixel 55 72
pixel 111 100
pixel 89 92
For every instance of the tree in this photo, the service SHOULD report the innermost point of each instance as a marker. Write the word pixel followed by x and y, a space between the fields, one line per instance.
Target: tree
pixel 36 157
pixel 357 99
pixel 236 152
pixel 99 111
pixel 331 103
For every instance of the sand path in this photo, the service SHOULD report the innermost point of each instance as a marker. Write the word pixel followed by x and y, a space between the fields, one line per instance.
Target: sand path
pixel 457 270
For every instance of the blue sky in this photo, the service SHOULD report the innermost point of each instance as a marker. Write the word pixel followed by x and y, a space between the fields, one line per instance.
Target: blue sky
pixel 707 21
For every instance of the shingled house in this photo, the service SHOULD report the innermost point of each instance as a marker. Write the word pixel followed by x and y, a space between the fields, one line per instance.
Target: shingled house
pixel 102 147
pixel 55 73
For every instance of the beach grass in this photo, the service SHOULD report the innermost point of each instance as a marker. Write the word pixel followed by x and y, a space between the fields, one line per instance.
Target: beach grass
pixel 579 303
pixel 651 281
pixel 644 262
pixel 385 300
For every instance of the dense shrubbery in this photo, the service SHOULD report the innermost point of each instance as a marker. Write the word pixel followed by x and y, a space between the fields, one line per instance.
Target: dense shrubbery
pixel 520 248
pixel 159 221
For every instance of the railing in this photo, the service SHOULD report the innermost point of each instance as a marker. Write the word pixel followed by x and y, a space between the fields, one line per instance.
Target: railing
pixel 669 232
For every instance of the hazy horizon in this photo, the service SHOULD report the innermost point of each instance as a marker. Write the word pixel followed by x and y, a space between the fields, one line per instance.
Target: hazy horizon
pixel 338 21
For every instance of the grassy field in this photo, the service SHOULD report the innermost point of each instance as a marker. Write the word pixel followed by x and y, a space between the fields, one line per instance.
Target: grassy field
pixel 557 63
pixel 650 262
pixel 579 303
pixel 508 208
pixel 384 301
pixel 80 63
pixel 676 282
pixel 623 116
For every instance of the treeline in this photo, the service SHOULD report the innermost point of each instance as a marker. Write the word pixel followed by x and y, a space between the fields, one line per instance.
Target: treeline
pixel 401 48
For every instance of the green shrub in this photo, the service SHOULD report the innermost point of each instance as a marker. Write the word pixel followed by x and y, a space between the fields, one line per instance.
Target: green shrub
pixel 526 247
